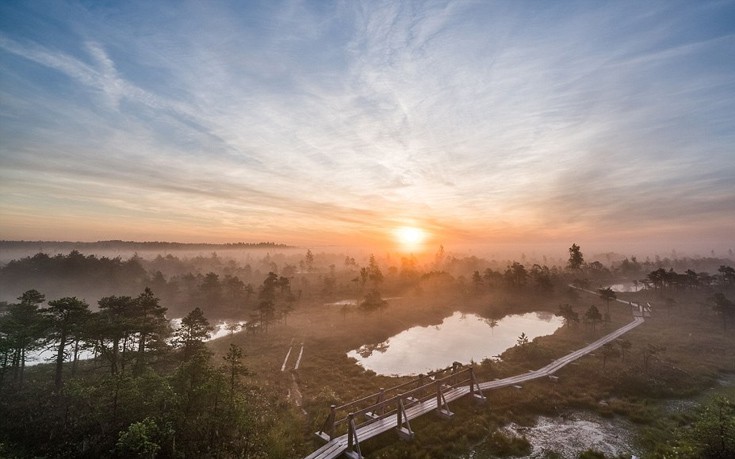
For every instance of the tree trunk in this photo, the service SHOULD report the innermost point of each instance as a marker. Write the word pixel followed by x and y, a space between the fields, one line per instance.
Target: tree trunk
pixel 4 368
pixel 124 349
pixel 22 365
pixel 114 399
pixel 113 362
pixel 140 359
pixel 76 358
pixel 16 365
pixel 60 360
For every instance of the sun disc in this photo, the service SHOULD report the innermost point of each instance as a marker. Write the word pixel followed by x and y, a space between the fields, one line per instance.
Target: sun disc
pixel 410 237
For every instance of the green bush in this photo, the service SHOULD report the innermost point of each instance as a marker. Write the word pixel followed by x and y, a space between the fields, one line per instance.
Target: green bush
pixel 508 445
pixel 139 440
pixel 591 454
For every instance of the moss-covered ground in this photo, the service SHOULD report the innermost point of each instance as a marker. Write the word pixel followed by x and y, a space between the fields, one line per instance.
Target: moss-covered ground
pixel 680 352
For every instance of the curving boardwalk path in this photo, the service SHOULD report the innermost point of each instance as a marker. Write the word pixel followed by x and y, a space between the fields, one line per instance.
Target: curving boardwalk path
pixel 338 445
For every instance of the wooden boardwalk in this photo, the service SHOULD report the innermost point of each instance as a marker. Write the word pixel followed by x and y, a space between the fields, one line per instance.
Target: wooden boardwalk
pixel 338 445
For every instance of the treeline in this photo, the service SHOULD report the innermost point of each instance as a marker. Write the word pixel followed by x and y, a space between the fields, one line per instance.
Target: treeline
pixel 133 245
pixel 123 329
pixel 96 277
pixel 661 279
pixel 64 275
pixel 517 277
pixel 150 391
pixel 668 282
pixel 220 286
pixel 226 287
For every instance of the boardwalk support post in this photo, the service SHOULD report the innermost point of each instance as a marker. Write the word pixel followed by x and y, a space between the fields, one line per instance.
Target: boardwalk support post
pixel 455 372
pixel 327 431
pixel 379 407
pixel 442 409
pixel 338 445
pixel 353 444
pixel 404 433
pixel 475 391
pixel 411 400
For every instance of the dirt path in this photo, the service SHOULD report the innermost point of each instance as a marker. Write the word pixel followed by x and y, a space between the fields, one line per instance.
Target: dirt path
pixel 295 393
pixel 298 360
pixel 288 354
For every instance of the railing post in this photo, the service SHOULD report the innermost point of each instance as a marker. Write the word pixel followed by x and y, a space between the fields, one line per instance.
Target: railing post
pixel 350 432
pixel 420 394
pixel 472 381
pixel 353 443
pixel 455 373
pixel 404 432
pixel 378 407
pixel 328 426
pixel 442 409
pixel 330 420
pixel 475 391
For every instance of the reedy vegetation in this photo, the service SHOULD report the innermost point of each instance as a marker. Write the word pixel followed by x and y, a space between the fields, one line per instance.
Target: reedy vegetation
pixel 148 395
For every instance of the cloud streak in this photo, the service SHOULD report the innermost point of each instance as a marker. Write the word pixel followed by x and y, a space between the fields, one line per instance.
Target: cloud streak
pixel 302 121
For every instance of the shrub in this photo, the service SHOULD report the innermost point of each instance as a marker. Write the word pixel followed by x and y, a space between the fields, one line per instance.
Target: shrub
pixel 508 445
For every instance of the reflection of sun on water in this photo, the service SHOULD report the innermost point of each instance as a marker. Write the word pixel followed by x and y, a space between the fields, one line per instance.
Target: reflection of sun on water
pixel 410 237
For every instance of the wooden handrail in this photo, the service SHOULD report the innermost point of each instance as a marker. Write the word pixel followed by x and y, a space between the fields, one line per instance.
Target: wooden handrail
pixel 399 386
pixel 336 445
pixel 429 386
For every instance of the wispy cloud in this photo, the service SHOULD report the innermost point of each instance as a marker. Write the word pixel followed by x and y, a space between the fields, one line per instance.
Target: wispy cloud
pixel 475 118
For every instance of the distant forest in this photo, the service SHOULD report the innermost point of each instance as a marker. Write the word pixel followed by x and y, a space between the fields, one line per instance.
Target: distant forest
pixel 132 245
pixel 187 283
pixel 227 288
pixel 155 389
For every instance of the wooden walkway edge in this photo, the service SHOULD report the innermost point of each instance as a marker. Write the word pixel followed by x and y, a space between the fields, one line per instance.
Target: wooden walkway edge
pixel 338 445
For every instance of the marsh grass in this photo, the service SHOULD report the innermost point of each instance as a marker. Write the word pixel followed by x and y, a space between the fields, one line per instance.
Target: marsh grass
pixel 696 354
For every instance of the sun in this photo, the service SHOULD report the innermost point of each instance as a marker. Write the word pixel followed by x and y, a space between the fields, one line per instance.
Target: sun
pixel 410 237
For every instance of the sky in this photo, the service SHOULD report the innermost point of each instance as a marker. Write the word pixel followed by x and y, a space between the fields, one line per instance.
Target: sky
pixel 334 123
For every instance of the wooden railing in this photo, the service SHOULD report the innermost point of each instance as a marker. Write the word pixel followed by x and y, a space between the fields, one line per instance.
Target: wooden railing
pixel 393 401
pixel 343 421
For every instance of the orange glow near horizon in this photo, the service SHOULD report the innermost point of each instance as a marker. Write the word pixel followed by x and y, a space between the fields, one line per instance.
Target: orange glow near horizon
pixel 410 238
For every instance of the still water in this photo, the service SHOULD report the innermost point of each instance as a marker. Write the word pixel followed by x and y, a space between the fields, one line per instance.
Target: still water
pixel 575 432
pixel 221 329
pixel 460 337
pixel 626 287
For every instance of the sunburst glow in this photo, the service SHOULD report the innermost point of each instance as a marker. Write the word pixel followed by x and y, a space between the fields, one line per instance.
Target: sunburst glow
pixel 410 237
pixel 352 130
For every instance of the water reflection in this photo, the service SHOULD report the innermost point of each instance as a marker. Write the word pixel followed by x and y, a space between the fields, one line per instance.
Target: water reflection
pixel 221 329
pixel 576 432
pixel 626 287
pixel 342 303
pixel 367 350
pixel 460 337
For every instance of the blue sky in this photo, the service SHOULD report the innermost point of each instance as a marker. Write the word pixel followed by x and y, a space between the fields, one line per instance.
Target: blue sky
pixel 334 122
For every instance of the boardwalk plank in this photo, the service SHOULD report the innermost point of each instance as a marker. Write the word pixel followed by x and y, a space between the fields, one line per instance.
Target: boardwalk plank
pixel 339 444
